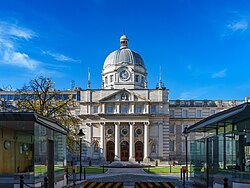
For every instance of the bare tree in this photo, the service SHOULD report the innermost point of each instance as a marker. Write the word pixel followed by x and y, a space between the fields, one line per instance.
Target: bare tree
pixel 40 96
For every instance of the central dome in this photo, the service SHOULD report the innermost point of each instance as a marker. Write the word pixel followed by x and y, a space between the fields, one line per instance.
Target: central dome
pixel 123 56
pixel 124 68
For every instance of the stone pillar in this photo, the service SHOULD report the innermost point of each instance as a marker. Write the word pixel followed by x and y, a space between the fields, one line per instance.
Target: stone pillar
pixel 103 108
pixel 160 139
pixel 117 140
pixel 102 140
pixel 131 141
pixel 146 140
pixel 90 131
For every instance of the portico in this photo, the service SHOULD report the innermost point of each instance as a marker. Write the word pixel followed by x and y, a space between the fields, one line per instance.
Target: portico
pixel 125 141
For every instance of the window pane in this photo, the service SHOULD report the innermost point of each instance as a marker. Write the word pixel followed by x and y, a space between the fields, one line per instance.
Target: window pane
pixel 138 109
pixel 109 109
pixel 198 113
pixel 185 113
pixel 153 108
pixel 124 108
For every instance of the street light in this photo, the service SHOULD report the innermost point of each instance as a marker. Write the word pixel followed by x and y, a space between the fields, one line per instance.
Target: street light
pixel 81 134
pixel 185 133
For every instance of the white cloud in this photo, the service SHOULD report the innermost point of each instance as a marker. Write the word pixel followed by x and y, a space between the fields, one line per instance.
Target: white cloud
pixel 12 30
pixel 241 25
pixel 195 93
pixel 19 59
pixel 219 74
pixel 186 95
pixel 60 57
pixel 9 53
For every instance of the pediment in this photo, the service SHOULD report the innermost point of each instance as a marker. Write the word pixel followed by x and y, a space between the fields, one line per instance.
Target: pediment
pixel 122 95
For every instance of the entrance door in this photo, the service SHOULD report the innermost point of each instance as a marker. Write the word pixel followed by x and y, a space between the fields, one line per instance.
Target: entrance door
pixel 124 151
pixel 138 151
pixel 110 151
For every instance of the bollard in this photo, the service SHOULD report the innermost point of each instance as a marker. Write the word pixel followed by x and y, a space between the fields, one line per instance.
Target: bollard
pixel 74 174
pixel 181 173
pixel 184 179
pixel 84 173
pixel 103 169
pixel 170 168
pixel 225 182
pixel 67 175
pixel 46 182
pixel 21 181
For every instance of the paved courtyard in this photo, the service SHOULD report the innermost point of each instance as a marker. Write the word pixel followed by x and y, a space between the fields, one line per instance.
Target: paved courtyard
pixel 117 173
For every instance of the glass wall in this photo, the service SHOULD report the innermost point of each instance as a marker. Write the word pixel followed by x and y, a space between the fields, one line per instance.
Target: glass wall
pixel 41 137
pixel 224 154
pixel 60 152
pixel 198 158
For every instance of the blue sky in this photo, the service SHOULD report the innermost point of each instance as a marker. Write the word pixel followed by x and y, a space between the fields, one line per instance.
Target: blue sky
pixel 202 46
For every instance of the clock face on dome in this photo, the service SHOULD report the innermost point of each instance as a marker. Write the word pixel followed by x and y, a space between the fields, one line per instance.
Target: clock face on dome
pixel 124 74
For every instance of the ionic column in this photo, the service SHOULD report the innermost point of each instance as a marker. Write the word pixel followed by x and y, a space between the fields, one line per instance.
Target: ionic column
pixel 131 140
pixel 117 140
pixel 146 140
pixel 102 140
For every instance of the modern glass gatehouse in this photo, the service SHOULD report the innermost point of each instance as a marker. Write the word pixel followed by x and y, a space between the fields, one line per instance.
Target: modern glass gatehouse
pixel 224 150
pixel 33 146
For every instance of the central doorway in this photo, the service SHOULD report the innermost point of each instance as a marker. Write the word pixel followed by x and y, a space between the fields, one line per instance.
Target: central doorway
pixel 124 151
pixel 138 151
pixel 110 148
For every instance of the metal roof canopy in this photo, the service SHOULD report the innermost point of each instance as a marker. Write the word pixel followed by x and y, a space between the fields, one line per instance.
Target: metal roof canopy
pixel 15 117
pixel 230 116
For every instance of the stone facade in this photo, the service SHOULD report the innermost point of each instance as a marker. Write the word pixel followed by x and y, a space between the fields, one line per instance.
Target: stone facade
pixel 127 121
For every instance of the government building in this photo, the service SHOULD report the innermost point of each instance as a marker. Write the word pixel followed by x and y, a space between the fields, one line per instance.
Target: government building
pixel 127 121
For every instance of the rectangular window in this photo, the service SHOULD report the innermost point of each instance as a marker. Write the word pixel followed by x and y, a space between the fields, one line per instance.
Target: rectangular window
pixel 171 113
pixel 65 96
pixel 212 112
pixel 136 78
pixel 142 79
pixel 138 108
pixel 111 78
pixel 10 97
pixel 78 95
pixel 109 109
pixel 124 108
pixel 106 80
pixel 153 108
pixel 198 114
pixel 95 109
pixel 171 128
pixel 3 96
pixel 185 113
pixel 171 145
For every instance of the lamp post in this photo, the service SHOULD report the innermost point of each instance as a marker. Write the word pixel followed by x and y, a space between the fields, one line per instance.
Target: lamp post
pixel 81 134
pixel 185 133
